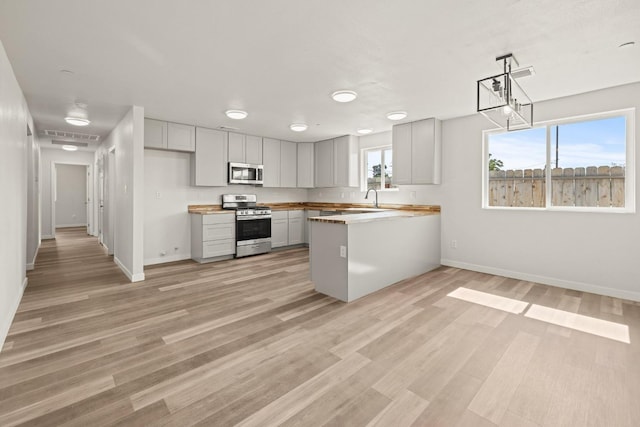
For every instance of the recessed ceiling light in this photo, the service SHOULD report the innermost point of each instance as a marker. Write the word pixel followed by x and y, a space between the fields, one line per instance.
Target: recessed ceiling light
pixel 344 95
pixel 70 147
pixel 298 127
pixel 627 44
pixel 365 131
pixel 236 114
pixel 396 115
pixel 77 121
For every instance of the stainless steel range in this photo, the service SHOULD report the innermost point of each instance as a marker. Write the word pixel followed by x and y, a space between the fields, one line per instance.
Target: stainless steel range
pixel 253 224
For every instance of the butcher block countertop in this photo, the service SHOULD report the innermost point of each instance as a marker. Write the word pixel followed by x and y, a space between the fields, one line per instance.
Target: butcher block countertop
pixel 380 215
pixel 341 207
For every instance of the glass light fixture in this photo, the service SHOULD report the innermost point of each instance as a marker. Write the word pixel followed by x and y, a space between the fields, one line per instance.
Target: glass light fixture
pixel 365 131
pixel 77 121
pixel 70 148
pixel 344 95
pixel 236 114
pixel 396 115
pixel 502 100
pixel 298 127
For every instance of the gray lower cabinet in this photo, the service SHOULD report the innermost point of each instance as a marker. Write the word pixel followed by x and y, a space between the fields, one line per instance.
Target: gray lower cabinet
pixel 213 237
pixel 287 228
pixel 307 234
pixel 279 229
pixel 296 227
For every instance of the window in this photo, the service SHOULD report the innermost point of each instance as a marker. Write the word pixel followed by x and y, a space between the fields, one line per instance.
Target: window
pixel 579 164
pixel 378 170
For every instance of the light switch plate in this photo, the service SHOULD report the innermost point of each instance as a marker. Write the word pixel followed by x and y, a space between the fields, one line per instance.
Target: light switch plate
pixel 343 251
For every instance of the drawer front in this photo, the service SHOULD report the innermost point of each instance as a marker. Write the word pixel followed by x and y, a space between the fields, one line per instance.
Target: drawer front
pixel 218 248
pixel 219 219
pixel 279 215
pixel 218 231
pixel 296 214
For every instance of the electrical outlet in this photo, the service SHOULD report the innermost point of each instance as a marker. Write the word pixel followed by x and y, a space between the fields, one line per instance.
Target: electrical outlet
pixel 342 195
pixel 454 244
pixel 343 251
pixel 158 195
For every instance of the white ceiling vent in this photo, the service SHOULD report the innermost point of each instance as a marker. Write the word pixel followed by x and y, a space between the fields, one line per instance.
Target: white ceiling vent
pixel 83 137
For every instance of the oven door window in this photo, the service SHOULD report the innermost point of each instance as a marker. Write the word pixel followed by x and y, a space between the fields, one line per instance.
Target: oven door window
pixel 250 229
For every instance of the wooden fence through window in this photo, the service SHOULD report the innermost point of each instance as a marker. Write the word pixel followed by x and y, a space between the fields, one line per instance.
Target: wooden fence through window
pixel 591 186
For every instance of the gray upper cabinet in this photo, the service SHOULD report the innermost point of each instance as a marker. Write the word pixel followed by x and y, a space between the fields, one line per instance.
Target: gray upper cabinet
pixel 336 162
pixel 209 162
pixel 345 161
pixel 401 137
pixel 155 134
pixel 169 136
pixel 288 164
pixel 245 148
pixel 324 163
pixel 305 165
pixel 271 162
pixel 417 152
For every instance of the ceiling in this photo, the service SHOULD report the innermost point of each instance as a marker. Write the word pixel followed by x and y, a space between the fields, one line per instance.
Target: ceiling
pixel 280 60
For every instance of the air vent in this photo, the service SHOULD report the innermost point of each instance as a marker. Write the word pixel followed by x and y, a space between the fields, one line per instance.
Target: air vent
pixel 227 128
pixel 84 137
pixel 77 144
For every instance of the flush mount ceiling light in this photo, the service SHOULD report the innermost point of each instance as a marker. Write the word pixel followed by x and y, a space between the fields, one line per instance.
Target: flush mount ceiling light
pixel 236 114
pixel 77 115
pixel 396 115
pixel 365 131
pixel 298 127
pixel 502 100
pixel 70 148
pixel 77 121
pixel 344 95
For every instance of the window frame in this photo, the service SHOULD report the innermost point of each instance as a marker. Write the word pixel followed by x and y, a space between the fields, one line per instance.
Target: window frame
pixel 630 176
pixel 363 166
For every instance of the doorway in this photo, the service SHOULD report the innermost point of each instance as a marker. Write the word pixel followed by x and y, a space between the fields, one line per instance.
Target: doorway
pixel 70 204
pixel 107 210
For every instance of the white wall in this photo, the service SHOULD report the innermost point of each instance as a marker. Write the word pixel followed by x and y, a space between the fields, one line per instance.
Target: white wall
pixel 596 252
pixel 49 156
pixel 71 195
pixel 166 221
pixel 14 145
pixel 128 140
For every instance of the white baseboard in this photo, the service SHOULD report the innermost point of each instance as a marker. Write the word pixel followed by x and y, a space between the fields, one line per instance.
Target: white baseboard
pixel 47 237
pixel 71 225
pixel 169 258
pixel 5 324
pixel 32 264
pixel 132 277
pixel 551 281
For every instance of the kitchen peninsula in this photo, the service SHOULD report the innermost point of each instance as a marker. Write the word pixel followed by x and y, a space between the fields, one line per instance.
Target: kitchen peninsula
pixel 354 255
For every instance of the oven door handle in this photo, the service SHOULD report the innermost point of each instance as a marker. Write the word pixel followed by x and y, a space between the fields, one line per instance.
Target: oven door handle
pixel 252 217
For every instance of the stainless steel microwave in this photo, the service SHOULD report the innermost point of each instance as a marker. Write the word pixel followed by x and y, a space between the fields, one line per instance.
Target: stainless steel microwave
pixel 243 173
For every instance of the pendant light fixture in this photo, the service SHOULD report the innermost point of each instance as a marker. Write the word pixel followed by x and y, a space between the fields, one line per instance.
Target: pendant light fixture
pixel 503 101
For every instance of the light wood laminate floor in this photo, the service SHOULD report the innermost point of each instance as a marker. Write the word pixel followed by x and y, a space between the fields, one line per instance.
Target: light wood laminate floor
pixel 249 342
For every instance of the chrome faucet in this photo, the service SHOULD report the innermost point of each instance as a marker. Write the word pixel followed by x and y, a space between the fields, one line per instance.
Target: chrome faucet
pixel 367 196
